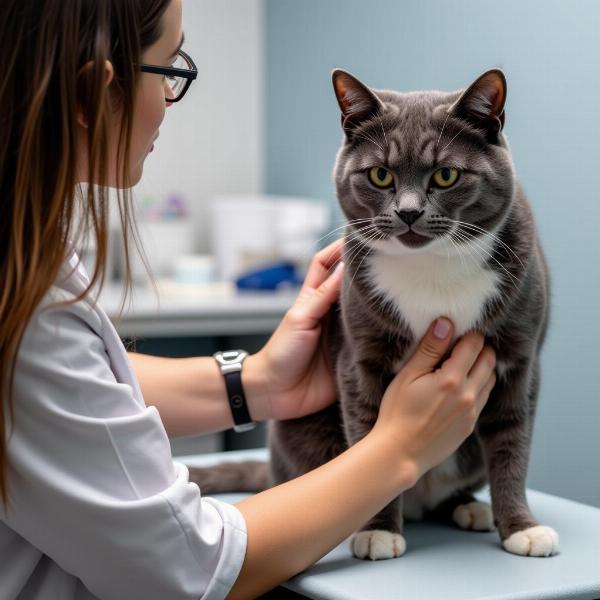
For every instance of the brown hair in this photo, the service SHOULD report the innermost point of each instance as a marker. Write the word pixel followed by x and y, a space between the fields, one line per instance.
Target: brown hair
pixel 44 45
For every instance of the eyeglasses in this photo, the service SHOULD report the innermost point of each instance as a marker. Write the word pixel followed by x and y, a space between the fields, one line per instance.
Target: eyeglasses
pixel 179 76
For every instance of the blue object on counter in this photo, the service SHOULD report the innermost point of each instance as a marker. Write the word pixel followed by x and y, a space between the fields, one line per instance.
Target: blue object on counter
pixel 271 277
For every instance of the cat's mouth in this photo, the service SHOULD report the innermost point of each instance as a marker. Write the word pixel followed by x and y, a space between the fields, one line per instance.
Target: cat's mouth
pixel 413 239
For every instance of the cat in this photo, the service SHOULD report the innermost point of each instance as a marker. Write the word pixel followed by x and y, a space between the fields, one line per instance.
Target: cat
pixel 437 225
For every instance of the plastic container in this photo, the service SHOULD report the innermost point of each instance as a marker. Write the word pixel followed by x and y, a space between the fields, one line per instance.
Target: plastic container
pixel 194 269
pixel 163 242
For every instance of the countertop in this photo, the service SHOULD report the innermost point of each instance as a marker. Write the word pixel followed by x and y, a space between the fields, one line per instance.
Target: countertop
pixel 191 310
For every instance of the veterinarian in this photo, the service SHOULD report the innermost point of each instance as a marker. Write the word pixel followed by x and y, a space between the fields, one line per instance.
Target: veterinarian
pixel 93 505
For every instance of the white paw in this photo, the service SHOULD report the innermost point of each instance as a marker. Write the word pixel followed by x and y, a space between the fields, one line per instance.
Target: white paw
pixel 535 541
pixel 477 516
pixel 377 544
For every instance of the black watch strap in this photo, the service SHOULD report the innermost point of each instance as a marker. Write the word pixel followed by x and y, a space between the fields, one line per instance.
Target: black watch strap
pixel 237 401
pixel 230 363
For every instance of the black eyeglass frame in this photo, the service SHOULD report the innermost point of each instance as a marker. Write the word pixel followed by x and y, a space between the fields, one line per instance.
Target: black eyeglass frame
pixel 188 74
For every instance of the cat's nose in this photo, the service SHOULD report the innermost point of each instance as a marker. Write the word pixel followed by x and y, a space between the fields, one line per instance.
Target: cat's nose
pixel 409 216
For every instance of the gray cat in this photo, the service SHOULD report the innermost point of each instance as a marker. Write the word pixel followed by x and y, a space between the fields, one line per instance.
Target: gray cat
pixel 438 225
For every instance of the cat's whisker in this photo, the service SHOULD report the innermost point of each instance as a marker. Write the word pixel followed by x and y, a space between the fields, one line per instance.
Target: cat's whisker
pixel 515 280
pixel 492 235
pixel 349 238
pixel 472 241
pixel 479 250
pixel 354 252
pixel 455 245
pixel 383 130
pixel 442 131
pixel 458 249
pixel 477 228
pixel 366 136
pixel 360 232
pixel 374 139
pixel 369 250
pixel 355 221
pixel 359 244
pixel 450 142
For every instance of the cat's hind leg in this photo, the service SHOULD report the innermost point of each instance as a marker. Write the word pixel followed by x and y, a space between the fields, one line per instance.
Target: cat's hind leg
pixel 301 445
pixel 465 511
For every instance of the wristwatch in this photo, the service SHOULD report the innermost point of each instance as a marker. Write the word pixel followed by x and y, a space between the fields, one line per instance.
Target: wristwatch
pixel 230 363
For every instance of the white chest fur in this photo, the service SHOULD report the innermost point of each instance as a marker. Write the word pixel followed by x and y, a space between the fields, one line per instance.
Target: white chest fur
pixel 427 285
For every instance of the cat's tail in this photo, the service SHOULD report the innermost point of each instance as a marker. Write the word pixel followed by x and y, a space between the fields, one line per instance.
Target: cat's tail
pixel 242 476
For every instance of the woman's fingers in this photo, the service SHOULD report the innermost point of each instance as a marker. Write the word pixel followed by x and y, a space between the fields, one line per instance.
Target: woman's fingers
pixel 484 393
pixel 323 264
pixel 313 304
pixel 464 354
pixel 482 368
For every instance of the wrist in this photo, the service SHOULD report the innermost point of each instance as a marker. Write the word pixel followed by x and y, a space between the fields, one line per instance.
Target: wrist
pixel 254 380
pixel 402 468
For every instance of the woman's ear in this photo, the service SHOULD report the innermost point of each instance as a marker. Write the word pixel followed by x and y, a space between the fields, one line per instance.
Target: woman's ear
pixel 85 70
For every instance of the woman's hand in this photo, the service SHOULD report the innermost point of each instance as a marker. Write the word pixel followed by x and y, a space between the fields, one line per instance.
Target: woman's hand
pixel 427 412
pixel 296 373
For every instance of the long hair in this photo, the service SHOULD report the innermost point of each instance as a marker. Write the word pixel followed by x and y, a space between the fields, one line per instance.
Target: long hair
pixel 44 45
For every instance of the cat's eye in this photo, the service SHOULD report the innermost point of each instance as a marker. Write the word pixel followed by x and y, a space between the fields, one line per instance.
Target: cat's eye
pixel 445 177
pixel 381 177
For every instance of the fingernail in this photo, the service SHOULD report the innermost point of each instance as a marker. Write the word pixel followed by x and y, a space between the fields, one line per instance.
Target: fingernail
pixel 441 328
pixel 338 267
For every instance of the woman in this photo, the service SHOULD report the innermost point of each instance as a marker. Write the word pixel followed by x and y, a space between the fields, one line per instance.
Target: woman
pixel 93 504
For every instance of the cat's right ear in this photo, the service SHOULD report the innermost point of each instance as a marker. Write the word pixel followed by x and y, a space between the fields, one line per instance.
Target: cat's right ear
pixel 357 102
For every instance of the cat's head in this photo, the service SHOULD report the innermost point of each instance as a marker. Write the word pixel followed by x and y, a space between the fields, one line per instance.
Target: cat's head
pixel 423 171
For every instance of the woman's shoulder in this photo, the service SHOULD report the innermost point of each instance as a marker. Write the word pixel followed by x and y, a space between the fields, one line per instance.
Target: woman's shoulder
pixel 61 305
pixel 65 299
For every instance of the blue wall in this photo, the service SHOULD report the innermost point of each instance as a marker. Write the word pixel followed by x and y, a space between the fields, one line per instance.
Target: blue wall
pixel 550 53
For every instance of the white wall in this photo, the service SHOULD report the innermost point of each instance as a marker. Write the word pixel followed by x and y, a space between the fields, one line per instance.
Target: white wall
pixel 212 141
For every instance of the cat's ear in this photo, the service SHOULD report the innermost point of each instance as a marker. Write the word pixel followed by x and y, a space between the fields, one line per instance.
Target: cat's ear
pixel 482 103
pixel 357 102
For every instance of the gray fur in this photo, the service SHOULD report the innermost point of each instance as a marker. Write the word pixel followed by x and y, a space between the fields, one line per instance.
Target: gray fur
pixel 412 134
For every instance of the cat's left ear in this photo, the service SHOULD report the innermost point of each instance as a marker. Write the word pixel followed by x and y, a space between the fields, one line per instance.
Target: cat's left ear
pixel 357 102
pixel 482 103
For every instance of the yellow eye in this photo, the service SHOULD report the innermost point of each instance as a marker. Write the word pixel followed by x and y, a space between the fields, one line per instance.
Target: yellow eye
pixel 381 177
pixel 445 177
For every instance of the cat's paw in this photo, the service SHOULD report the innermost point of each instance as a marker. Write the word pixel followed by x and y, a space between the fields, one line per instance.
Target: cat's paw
pixel 535 541
pixel 377 544
pixel 475 516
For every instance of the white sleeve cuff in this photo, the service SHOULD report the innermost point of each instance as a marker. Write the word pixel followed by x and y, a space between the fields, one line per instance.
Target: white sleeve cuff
pixel 234 550
pixel 209 518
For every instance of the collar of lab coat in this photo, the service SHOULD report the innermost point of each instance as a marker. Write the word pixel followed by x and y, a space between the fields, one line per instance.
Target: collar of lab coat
pixel 72 275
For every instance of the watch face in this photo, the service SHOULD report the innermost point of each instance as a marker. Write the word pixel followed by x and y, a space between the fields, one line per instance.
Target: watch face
pixel 244 427
pixel 232 356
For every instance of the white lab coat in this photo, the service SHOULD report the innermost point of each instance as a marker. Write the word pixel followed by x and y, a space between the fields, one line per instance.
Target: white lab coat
pixel 99 507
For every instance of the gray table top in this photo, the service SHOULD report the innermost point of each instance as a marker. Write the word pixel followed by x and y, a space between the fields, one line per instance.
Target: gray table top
pixel 190 310
pixel 446 563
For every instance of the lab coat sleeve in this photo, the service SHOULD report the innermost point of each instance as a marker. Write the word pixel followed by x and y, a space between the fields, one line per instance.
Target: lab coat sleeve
pixel 92 481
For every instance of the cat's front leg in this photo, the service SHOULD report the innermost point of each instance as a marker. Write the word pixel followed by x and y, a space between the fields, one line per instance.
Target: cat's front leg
pixel 504 429
pixel 382 536
pixel 361 393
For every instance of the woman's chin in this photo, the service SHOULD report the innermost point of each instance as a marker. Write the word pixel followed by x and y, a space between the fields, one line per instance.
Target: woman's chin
pixel 136 173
